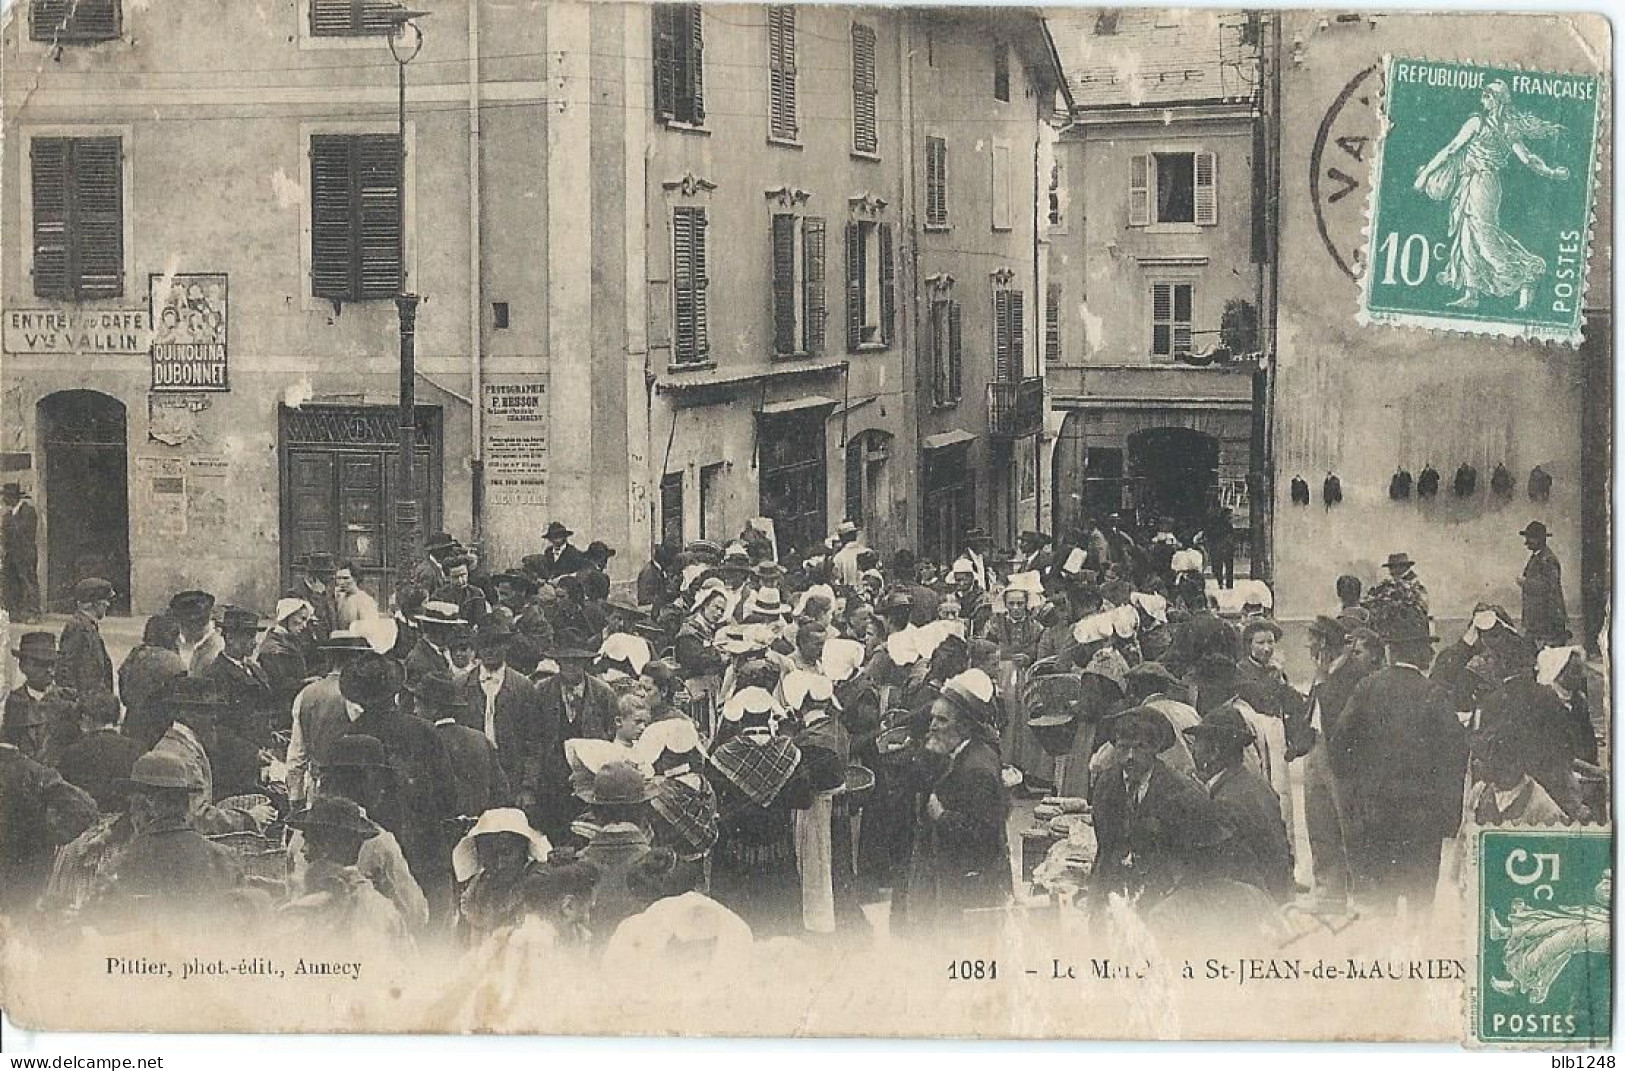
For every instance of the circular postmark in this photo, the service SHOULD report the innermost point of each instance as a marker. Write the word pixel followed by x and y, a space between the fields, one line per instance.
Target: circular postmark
pixel 1340 168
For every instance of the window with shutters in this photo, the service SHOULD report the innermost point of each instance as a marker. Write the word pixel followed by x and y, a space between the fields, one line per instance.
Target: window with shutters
pixel 73 22
pixel 1009 326
pixel 798 285
pixel 1052 324
pixel 77 189
pixel 936 183
pixel 356 232
pixel 865 92
pixel 671 507
pixel 1171 318
pixel 871 285
pixel 946 352
pixel 691 340
pixel 679 82
pixel 999 161
pixel 1001 71
pixel 352 18
pixel 1179 188
pixel 782 124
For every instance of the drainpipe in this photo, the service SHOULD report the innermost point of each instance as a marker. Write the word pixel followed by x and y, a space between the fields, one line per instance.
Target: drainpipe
pixel 476 287
pixel 1040 331
pixel 909 228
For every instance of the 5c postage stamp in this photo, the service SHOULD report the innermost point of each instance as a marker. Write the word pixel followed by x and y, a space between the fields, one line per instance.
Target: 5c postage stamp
pixel 1544 951
pixel 1481 206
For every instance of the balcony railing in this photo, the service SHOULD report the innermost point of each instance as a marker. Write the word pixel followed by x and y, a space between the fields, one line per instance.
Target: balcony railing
pixel 1015 408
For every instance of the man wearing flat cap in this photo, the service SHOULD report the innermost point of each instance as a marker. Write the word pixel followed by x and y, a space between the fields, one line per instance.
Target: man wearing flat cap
pixel 1545 614
pixel 84 664
pixel 19 554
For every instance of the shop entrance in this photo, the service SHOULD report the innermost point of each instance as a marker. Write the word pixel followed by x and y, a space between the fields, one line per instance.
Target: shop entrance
pixel 1175 472
pixel 86 494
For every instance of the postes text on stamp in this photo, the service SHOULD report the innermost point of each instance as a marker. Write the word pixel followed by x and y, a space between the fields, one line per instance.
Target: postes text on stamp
pixel 1480 213
pixel 1544 955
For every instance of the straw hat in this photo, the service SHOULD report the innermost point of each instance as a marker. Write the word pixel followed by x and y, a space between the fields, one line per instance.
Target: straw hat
pixel 465 858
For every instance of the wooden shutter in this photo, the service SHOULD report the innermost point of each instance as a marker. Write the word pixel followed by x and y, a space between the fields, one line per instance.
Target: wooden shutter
pixel 1162 314
pixel 854 286
pixel 936 182
pixel 1207 189
pixel 1001 335
pixel 331 226
pixel 665 53
pixel 888 285
pixel 690 336
pixel 1000 163
pixel 1052 324
pixel 937 347
pixel 784 284
pixel 691 92
pixel 812 250
pixel 865 136
pixel 377 177
pixel 955 351
pixel 49 166
pixel 1018 334
pixel 1001 71
pixel 1139 190
pixel 69 21
pixel 98 216
pixel 781 63
pixel 1182 295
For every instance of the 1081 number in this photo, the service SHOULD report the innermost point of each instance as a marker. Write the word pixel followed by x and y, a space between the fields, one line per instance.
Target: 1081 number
pixel 973 970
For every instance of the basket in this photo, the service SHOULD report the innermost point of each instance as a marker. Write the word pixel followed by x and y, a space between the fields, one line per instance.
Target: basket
pixel 893 747
pixel 859 786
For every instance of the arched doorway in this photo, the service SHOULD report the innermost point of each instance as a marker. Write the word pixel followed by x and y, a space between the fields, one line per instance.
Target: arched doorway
pixel 85 493
pixel 1175 473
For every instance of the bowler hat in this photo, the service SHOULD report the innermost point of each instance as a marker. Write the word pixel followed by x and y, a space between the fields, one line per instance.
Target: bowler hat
pixel 335 813
pixel 11 492
pixel 769 572
pixel 557 530
pixel 1535 530
pixel 191 603
pixel 370 681
pixel 1149 678
pixel 194 693
pixel 1149 717
pixel 158 770
pixel 1400 560
pixel 92 589
pixel 1224 722
pixel 354 751
pixel 518 580
pixel 40 646
pixel 345 640
pixel 1409 628
pixel 236 619
pixel 618 782
pixel 569 651
pixel 438 692
pixel 599 549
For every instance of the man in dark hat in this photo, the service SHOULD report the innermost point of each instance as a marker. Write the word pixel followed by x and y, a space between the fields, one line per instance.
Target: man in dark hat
pixel 1244 799
pixel 481 781
pixel 560 558
pixel 598 554
pixel 39 811
pixel 1395 601
pixel 19 554
pixel 200 642
pixel 501 705
pixel 340 901
pixel 27 727
pixel 36 656
pixel 572 705
pixel 657 580
pixel 84 664
pixel 1036 556
pixel 460 592
pixel 1336 674
pixel 1156 829
pixel 1545 614
pixel 425 795
pixel 1400 756
pixel 313 582
pixel 103 755
pixel 242 680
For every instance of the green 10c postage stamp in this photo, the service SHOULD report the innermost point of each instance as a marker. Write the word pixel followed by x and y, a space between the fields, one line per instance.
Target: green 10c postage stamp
pixel 1545 899
pixel 1480 213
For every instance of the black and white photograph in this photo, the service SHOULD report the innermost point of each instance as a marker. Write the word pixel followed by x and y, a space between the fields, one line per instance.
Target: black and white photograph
pixel 567 517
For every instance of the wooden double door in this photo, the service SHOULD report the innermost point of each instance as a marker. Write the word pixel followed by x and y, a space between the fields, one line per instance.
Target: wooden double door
pixel 340 474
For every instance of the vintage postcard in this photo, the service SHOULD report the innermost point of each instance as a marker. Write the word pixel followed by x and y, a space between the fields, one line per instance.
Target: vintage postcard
pixel 733 520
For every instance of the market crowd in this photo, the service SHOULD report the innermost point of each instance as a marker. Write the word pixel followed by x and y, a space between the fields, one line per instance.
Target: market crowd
pixel 747 747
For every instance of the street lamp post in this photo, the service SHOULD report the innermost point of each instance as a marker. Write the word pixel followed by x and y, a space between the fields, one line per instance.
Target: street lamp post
pixel 405 42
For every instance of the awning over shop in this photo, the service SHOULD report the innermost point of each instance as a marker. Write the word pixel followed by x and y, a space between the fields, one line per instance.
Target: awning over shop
pixel 946 439
pixel 811 401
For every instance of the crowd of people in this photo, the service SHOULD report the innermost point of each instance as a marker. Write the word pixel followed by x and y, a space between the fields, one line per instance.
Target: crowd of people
pixel 749 746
